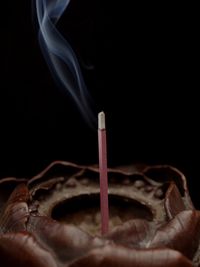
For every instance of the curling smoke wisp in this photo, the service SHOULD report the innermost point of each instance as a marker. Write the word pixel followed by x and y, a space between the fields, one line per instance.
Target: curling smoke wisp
pixel 59 55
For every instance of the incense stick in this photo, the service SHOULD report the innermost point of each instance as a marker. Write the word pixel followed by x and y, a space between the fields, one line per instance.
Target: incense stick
pixel 103 173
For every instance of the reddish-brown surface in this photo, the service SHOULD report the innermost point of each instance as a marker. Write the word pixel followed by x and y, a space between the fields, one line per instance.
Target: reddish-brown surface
pixel 43 223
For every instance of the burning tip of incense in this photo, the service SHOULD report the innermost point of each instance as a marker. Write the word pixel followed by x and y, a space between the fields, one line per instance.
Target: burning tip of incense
pixel 101 120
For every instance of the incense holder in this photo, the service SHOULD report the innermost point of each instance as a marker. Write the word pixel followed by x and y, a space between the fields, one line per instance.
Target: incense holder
pixel 53 219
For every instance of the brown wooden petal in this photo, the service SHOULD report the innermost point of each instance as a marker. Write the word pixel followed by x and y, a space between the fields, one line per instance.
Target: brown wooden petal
pixel 111 256
pixel 182 233
pixel 166 173
pixel 15 213
pixel 133 234
pixel 21 250
pixel 66 241
pixel 173 201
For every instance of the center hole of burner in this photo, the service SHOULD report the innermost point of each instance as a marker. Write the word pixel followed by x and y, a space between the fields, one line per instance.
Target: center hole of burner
pixel 84 211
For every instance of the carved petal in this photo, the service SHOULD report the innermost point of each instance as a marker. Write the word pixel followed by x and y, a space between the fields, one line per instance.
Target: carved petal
pixel 173 201
pixel 15 214
pixel 133 234
pixel 20 249
pixel 67 241
pixel 120 257
pixel 184 229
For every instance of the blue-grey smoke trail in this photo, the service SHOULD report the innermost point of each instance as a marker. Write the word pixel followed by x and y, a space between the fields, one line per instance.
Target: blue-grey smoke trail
pixel 59 55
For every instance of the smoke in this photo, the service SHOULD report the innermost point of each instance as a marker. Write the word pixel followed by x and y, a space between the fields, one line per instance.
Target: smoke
pixel 59 55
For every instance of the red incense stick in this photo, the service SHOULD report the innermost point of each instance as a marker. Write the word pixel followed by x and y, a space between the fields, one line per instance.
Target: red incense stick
pixel 103 173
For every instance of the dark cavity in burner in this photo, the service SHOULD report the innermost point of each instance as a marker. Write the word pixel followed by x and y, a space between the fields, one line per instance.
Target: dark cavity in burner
pixel 84 211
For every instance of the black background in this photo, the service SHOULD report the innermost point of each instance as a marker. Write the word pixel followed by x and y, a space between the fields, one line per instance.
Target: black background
pixel 139 63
